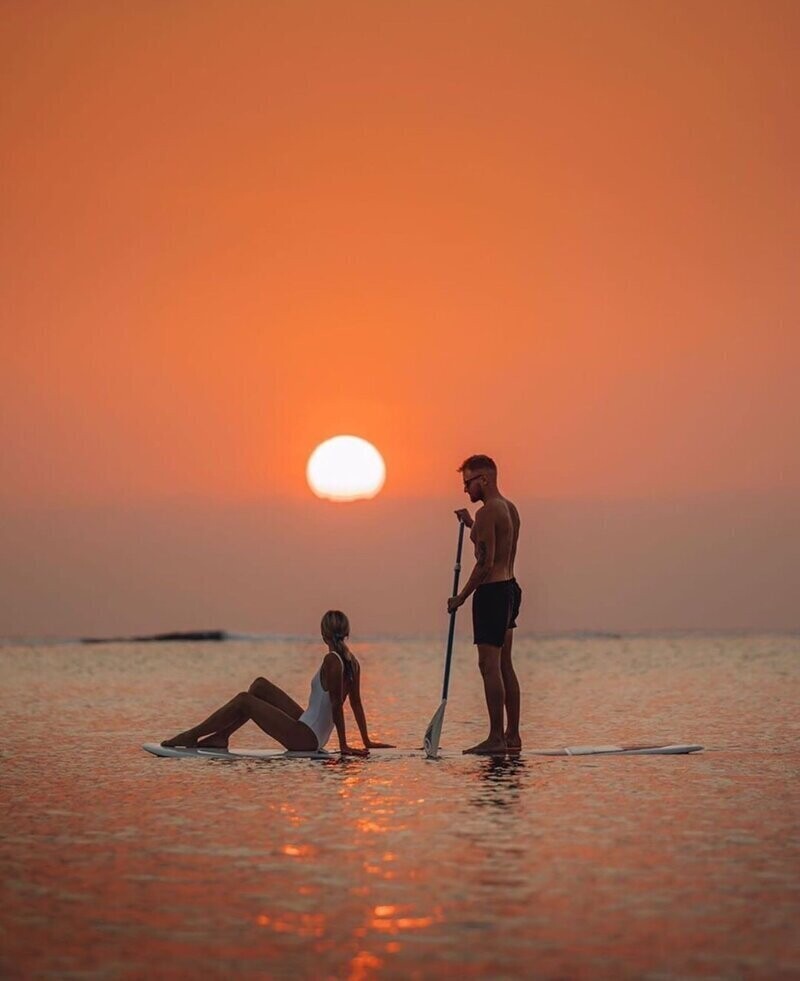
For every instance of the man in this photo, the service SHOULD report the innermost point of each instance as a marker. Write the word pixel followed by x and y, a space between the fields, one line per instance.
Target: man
pixel 496 602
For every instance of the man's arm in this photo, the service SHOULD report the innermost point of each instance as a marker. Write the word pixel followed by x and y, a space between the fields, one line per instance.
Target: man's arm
pixel 484 557
pixel 515 522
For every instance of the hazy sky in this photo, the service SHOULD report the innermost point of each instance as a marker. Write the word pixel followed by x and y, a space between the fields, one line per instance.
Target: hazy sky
pixel 564 234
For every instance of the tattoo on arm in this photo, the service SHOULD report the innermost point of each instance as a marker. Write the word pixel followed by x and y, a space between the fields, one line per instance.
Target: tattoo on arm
pixel 482 568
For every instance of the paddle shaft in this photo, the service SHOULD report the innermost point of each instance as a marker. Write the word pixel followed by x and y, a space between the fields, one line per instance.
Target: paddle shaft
pixel 452 632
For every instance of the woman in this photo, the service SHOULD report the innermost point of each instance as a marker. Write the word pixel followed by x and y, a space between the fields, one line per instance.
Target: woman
pixel 338 678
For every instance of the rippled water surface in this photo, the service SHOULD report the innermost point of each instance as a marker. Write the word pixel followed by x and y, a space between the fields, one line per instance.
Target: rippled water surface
pixel 118 864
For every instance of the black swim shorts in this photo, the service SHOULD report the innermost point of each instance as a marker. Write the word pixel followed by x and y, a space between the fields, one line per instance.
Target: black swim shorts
pixel 495 607
pixel 516 602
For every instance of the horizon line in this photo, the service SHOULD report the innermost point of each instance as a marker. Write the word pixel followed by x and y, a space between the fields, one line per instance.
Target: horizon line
pixel 233 637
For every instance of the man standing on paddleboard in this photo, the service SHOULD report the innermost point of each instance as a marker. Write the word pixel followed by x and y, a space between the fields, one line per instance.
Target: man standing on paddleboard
pixel 496 602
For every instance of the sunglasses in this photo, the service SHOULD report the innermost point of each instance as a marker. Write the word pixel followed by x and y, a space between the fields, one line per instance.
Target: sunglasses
pixel 469 480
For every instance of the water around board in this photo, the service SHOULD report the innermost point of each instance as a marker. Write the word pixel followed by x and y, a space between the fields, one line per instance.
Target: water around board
pixel 628 749
pixel 603 850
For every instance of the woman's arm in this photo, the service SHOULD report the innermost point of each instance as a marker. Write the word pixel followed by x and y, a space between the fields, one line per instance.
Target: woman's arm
pixel 334 679
pixel 358 712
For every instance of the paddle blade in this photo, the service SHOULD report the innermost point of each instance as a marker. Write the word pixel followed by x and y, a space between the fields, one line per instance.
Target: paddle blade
pixel 434 732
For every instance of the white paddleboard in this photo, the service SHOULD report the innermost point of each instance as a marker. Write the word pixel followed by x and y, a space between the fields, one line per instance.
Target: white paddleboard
pixel 181 752
pixel 629 749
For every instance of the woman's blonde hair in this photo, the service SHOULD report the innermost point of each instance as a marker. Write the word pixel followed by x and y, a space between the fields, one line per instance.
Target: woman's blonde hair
pixel 335 628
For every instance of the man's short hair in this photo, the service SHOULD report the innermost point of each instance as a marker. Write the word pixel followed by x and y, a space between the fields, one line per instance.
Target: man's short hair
pixel 478 461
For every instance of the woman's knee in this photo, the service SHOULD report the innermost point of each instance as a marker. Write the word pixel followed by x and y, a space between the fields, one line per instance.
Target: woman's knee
pixel 259 686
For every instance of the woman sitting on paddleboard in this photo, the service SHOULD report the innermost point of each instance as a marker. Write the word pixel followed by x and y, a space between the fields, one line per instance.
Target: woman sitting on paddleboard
pixel 338 678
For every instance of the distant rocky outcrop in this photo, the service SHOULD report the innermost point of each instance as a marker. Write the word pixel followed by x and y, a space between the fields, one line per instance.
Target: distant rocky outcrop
pixel 176 635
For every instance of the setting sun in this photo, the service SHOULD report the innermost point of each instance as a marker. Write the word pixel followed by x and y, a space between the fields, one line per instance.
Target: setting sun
pixel 345 468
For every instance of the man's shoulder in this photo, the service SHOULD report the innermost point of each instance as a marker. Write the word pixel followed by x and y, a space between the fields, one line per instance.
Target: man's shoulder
pixel 504 511
pixel 499 504
pixel 495 510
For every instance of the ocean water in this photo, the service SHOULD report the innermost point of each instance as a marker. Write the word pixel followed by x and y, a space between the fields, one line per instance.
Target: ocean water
pixel 116 864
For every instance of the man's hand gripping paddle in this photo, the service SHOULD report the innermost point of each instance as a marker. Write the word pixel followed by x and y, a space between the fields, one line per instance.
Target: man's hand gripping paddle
pixel 434 730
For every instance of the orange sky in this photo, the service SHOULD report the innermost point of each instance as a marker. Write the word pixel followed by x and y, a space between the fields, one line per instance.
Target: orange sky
pixel 563 234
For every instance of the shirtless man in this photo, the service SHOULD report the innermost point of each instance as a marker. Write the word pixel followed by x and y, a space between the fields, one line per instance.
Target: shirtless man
pixel 496 603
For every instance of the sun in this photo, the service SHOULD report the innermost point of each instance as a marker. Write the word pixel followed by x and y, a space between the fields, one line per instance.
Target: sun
pixel 345 468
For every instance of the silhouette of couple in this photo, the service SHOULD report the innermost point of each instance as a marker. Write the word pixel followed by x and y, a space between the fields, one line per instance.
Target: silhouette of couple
pixel 494 532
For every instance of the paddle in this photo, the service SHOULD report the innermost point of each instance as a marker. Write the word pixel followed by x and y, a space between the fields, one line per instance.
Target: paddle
pixel 434 730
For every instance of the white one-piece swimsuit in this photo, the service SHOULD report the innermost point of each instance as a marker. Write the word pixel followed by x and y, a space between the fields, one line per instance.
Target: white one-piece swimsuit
pixel 319 714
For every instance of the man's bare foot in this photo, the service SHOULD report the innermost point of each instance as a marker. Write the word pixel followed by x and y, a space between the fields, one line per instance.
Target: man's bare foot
pixel 213 742
pixel 489 747
pixel 183 739
pixel 513 743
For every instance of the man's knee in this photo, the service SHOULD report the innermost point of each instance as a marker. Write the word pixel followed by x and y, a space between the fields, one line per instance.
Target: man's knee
pixel 489 660
pixel 507 667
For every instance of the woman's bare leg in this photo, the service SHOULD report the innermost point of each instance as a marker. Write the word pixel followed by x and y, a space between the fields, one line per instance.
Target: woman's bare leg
pixel 267 692
pixel 271 693
pixel 230 714
pixel 287 731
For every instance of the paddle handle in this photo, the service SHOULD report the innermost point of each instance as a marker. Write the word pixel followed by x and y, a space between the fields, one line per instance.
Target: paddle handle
pixel 452 632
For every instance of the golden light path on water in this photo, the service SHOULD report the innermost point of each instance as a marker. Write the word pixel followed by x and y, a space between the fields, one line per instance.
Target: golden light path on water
pixel 396 866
